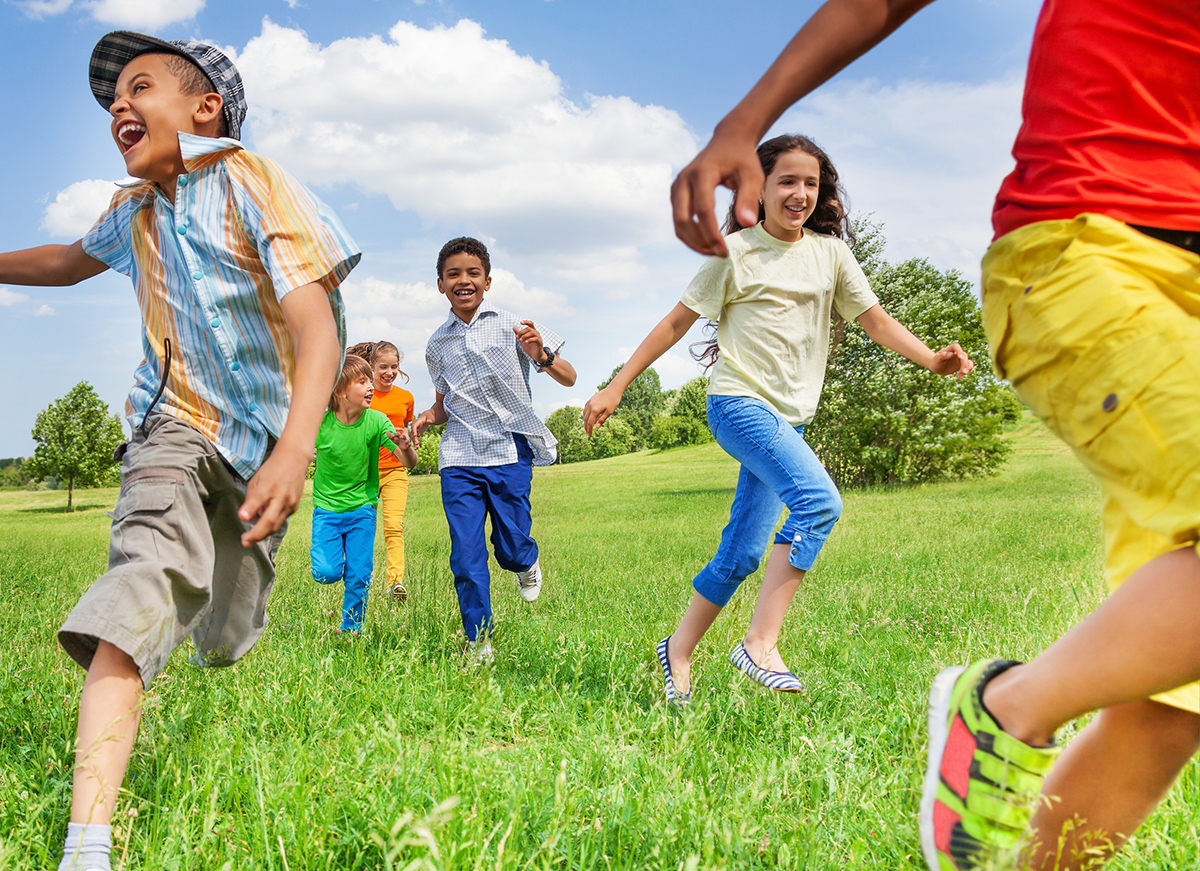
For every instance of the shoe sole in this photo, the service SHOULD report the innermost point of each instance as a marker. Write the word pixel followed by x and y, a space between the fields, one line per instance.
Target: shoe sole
pixel 399 595
pixel 939 715
pixel 524 598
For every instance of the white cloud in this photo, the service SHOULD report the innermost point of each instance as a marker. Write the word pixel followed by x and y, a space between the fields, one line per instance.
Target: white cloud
pixel 42 311
pixel 141 14
pixel 11 297
pixel 77 206
pixel 461 129
pixel 926 157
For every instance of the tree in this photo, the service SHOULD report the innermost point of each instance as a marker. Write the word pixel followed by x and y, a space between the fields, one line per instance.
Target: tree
pixel 641 403
pixel 883 419
pixel 76 437
pixel 687 421
pixel 567 426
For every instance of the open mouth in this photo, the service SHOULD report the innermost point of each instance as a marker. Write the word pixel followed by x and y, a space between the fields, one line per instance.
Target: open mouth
pixel 130 134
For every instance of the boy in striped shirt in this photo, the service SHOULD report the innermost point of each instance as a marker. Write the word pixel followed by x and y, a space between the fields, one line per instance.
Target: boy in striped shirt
pixel 236 267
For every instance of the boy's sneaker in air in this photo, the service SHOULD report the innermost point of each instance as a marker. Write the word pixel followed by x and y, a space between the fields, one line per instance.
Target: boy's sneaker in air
pixel 397 593
pixel 981 784
pixel 529 583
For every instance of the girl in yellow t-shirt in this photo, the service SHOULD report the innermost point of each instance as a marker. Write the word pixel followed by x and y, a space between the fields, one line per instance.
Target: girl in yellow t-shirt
pixel 772 300
pixel 397 404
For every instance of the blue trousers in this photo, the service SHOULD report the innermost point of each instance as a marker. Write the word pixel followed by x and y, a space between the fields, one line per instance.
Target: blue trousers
pixel 778 469
pixel 469 494
pixel 343 548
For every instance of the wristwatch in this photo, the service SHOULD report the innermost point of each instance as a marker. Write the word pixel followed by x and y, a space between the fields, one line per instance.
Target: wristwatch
pixel 547 363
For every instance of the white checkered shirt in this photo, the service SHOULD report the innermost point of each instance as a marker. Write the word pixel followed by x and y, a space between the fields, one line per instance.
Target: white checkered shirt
pixel 483 373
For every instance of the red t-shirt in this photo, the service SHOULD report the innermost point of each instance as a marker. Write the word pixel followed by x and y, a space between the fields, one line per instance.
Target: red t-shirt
pixel 1111 116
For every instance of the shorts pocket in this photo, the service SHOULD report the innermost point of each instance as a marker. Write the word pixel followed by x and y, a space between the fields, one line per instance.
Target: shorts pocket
pixel 146 495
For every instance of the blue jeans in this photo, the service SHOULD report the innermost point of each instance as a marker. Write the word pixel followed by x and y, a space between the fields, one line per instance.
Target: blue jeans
pixel 343 548
pixel 469 495
pixel 778 468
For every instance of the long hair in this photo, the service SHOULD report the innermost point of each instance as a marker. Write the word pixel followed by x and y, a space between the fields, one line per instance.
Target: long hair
pixel 831 216
pixel 354 368
pixel 372 351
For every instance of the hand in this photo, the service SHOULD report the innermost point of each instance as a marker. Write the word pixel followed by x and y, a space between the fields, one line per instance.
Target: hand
pixel 400 438
pixel 600 407
pixel 952 360
pixel 273 493
pixel 729 160
pixel 423 421
pixel 531 341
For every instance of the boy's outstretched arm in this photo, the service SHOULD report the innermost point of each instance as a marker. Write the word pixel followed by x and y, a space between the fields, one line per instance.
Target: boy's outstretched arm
pixel 531 340
pixel 49 265
pixel 838 33
pixel 883 329
pixel 276 488
pixel 432 416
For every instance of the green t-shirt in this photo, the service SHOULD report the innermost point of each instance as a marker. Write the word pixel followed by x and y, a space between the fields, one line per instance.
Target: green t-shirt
pixel 347 476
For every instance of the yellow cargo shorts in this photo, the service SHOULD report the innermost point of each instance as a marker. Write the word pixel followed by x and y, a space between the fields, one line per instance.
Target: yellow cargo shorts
pixel 1097 327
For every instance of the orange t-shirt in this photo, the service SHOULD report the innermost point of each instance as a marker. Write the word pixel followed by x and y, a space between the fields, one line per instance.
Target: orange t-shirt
pixel 1111 123
pixel 397 404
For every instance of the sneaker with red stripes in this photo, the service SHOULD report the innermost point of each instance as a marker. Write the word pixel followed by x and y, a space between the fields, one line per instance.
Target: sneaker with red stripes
pixel 981 783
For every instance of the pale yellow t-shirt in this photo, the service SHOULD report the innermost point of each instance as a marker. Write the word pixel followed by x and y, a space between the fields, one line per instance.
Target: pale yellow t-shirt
pixel 773 301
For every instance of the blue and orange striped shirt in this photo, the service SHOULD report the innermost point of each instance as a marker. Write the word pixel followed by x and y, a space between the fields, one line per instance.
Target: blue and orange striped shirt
pixel 210 271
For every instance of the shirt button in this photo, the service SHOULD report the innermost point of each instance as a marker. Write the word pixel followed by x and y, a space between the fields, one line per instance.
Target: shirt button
pixel 197 275
pixel 253 408
pixel 181 230
pixel 234 366
pixel 183 179
pixel 216 322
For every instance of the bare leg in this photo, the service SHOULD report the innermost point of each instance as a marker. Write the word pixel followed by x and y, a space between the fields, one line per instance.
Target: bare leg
pixel 780 582
pixel 109 711
pixel 1144 639
pixel 1108 781
pixel 699 616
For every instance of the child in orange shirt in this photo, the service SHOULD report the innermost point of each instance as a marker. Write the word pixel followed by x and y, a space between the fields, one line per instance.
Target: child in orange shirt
pixel 397 404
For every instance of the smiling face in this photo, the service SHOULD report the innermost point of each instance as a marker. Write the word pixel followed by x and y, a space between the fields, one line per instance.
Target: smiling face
pixel 789 195
pixel 385 369
pixel 357 395
pixel 148 112
pixel 464 283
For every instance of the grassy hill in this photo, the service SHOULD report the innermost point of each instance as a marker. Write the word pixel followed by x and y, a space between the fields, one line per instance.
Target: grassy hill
pixel 322 753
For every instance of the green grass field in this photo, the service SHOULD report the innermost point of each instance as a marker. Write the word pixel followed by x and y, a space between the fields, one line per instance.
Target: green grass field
pixel 317 752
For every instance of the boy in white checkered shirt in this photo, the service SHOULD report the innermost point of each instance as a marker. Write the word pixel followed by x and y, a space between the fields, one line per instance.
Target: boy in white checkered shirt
pixel 479 362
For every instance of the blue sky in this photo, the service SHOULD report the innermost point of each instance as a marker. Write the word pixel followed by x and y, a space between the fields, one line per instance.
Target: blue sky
pixel 551 130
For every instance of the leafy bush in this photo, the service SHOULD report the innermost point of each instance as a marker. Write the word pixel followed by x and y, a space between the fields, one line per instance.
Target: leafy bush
pixel 642 402
pixel 427 452
pixel 567 426
pixel 883 419
pixel 673 432
pixel 574 446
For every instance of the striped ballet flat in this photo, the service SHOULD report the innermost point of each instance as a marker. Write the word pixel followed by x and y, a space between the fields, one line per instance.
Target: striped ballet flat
pixel 780 681
pixel 674 697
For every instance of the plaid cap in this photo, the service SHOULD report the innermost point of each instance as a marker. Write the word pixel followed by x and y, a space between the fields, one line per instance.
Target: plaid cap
pixel 118 48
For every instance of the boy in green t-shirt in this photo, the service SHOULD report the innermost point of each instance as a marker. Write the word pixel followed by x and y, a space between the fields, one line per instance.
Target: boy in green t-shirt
pixel 346 487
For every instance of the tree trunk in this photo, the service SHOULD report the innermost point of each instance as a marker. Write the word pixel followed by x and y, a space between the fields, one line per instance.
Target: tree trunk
pixel 70 489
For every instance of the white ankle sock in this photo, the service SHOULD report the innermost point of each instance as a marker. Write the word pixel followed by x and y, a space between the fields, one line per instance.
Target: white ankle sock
pixel 86 848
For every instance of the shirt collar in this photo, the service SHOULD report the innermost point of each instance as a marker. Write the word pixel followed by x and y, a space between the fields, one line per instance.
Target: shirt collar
pixel 485 307
pixel 198 152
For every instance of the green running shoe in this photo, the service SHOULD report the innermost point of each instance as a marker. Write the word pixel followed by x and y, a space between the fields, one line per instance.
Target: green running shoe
pixel 981 783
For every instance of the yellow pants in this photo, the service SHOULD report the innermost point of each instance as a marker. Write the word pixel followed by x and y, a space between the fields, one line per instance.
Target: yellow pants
pixel 1097 326
pixel 393 496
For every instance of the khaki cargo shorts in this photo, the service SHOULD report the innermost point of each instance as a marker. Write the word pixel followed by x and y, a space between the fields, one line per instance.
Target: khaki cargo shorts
pixel 1097 326
pixel 176 565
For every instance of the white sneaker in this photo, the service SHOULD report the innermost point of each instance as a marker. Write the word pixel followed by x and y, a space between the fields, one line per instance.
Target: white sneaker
pixel 478 654
pixel 529 583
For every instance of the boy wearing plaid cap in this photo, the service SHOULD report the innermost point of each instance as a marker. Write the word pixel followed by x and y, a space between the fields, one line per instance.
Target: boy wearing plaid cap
pixel 236 268
pixel 479 362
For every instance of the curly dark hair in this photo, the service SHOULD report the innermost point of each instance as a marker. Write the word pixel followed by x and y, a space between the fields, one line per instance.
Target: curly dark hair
pixel 464 245
pixel 832 214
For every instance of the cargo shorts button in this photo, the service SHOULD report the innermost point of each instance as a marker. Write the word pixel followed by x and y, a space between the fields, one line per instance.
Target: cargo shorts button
pixel 1110 402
